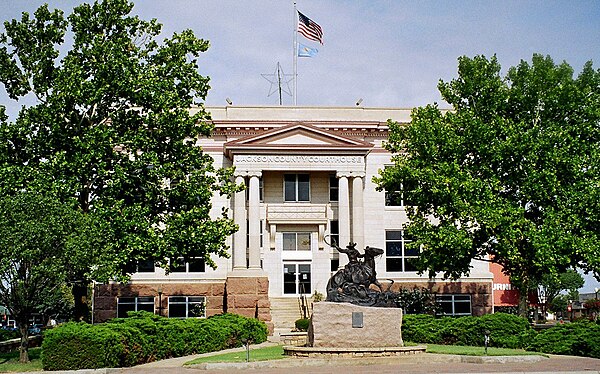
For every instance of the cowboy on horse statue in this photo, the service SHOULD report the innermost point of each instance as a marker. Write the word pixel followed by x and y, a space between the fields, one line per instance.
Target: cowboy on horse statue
pixel 352 284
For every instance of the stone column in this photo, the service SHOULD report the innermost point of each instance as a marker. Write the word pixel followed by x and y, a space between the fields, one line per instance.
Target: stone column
pixel 239 217
pixel 343 215
pixel 254 221
pixel 358 223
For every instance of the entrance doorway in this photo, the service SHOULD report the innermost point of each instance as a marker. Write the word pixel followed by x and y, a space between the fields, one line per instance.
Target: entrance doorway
pixel 296 279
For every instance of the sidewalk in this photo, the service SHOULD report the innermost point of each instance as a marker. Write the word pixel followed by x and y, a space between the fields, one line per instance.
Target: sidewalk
pixel 417 364
pixel 421 363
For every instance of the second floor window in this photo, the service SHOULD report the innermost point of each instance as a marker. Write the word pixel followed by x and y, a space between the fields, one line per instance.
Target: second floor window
pixel 398 256
pixel 296 241
pixel 334 232
pixel 296 187
pixel 334 188
pixel 260 190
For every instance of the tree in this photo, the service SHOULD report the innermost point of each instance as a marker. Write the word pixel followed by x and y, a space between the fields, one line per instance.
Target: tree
pixel 114 127
pixel 37 237
pixel 559 304
pixel 510 175
pixel 551 285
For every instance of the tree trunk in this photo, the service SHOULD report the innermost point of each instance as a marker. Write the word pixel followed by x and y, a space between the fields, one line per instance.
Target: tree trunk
pixel 24 348
pixel 80 294
pixel 523 302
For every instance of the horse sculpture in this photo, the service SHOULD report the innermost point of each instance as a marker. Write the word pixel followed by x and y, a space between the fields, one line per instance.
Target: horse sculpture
pixel 352 283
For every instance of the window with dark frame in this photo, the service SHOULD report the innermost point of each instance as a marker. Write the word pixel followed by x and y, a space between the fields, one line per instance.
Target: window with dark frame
pixel 296 187
pixel 134 304
pixel 399 258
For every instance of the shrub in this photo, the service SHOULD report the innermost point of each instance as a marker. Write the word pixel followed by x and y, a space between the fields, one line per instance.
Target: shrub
pixel 302 324
pixel 8 335
pixel 506 331
pixel 79 345
pixel 578 339
pixel 144 337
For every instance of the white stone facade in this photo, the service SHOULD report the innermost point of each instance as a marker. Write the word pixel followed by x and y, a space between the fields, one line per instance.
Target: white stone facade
pixel 310 147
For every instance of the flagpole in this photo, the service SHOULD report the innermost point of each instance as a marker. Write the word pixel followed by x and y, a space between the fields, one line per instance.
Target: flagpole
pixel 295 55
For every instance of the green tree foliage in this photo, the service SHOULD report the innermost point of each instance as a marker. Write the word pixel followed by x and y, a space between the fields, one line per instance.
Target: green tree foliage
pixel 559 304
pixel 38 236
pixel 511 174
pixel 552 284
pixel 112 129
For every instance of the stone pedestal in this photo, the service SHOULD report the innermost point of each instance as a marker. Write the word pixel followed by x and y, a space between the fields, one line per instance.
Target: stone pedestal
pixel 345 325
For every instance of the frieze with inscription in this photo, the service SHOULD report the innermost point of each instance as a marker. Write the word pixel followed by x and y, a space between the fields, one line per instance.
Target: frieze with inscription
pixel 299 159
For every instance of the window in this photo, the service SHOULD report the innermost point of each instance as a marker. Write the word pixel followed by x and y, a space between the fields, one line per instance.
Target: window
pixel 334 188
pixel 134 304
pixel 261 228
pixel 335 264
pixel 296 187
pixel 454 305
pixel 145 266
pixel 398 256
pixel 260 190
pixel 296 241
pixel 334 232
pixel 187 306
pixel 398 197
pixel 194 265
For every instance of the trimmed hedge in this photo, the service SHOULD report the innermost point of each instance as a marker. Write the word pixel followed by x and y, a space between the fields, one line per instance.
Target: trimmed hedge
pixel 577 339
pixel 506 331
pixel 144 337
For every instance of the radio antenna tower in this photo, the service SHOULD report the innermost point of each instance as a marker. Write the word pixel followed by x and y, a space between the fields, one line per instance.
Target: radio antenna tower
pixel 280 82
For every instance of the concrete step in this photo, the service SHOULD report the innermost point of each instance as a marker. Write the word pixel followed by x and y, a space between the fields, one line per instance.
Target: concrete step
pixel 284 312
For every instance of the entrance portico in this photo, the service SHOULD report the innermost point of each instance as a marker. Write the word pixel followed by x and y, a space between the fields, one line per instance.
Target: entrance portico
pixel 293 166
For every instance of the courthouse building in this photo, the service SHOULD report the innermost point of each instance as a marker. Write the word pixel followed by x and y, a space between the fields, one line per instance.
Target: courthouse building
pixel 309 176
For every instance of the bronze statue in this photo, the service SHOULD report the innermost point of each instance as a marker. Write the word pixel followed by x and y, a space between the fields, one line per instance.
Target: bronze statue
pixel 352 284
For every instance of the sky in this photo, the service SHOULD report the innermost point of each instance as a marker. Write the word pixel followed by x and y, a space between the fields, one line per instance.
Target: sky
pixel 387 53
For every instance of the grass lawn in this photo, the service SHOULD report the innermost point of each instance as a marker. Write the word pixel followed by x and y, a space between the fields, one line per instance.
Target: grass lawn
pixel 259 354
pixel 476 351
pixel 10 361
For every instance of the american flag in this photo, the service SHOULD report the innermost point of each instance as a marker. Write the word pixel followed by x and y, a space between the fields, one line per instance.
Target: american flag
pixel 309 29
